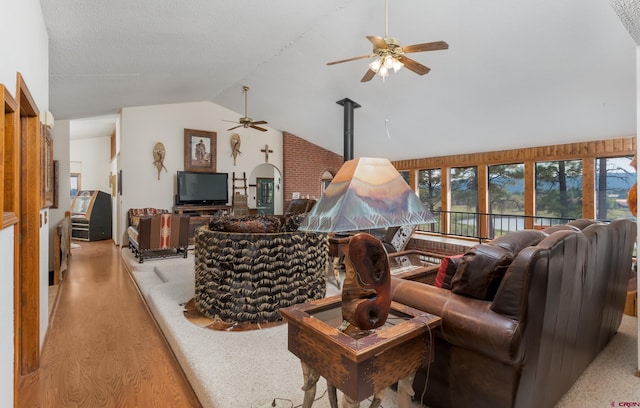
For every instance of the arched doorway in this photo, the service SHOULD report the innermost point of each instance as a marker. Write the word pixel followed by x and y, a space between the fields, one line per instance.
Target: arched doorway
pixel 265 193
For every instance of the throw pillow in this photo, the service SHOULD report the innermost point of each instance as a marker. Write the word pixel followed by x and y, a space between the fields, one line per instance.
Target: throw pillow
pixel 480 271
pixel 447 269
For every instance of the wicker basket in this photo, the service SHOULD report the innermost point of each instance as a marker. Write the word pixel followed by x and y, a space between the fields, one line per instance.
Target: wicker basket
pixel 248 277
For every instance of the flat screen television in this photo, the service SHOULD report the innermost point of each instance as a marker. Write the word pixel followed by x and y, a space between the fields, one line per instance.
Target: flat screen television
pixel 202 188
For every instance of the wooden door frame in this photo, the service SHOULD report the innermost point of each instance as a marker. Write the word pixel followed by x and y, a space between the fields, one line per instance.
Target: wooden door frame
pixel 27 237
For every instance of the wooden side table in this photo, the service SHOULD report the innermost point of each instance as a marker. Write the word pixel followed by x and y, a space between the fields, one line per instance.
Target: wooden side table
pixel 360 365
pixel 415 265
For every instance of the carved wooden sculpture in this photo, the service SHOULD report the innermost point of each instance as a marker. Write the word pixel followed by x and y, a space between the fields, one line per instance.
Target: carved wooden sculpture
pixel 366 293
pixel 235 147
pixel 158 157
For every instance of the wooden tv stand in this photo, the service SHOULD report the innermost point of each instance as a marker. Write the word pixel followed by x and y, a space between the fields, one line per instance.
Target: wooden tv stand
pixel 200 209
pixel 199 215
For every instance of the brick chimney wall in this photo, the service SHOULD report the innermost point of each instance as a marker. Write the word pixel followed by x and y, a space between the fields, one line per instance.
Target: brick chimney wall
pixel 303 165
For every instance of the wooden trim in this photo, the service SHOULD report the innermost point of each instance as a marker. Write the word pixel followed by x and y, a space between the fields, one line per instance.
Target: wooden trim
pixel 27 262
pixel 112 141
pixel 9 159
pixel 586 151
pixel 529 191
pixel 601 148
pixel 445 181
pixel 589 185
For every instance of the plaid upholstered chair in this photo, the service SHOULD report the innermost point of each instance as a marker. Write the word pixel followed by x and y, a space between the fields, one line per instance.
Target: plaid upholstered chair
pixel 155 233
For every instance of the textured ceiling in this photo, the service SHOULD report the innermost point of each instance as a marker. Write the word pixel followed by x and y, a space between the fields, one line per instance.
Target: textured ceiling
pixel 517 73
pixel 629 13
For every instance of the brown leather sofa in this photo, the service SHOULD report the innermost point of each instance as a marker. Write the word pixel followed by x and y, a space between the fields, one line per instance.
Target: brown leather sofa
pixel 557 306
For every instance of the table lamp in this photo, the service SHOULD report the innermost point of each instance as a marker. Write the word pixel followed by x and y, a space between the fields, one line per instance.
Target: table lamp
pixel 366 193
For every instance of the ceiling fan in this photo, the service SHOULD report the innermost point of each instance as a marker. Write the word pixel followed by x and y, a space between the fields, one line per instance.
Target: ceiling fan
pixel 246 121
pixel 391 55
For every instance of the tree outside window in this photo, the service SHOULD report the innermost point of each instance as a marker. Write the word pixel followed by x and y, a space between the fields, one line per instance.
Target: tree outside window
pixel 430 190
pixel 559 189
pixel 614 177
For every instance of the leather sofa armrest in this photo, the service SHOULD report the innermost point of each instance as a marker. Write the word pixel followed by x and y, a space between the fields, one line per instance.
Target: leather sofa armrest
pixel 466 322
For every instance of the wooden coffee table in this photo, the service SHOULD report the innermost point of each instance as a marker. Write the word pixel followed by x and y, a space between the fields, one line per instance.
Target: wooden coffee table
pixel 358 365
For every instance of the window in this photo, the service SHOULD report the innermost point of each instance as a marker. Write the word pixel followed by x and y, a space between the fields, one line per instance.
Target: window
pixel 406 176
pixel 464 189
pixel 506 189
pixel 559 189
pixel 430 190
pixel 464 201
pixel 506 198
pixel 325 180
pixel 613 179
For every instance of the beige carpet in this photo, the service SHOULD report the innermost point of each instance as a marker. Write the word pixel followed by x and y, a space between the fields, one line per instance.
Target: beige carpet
pixel 254 368
pixel 609 381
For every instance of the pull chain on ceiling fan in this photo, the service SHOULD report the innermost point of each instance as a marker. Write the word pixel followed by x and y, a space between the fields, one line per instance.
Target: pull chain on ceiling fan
pixel 246 121
pixel 391 55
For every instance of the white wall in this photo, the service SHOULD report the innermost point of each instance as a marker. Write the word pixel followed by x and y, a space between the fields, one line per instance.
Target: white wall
pixel 113 169
pixel 94 155
pixel 143 127
pixel 24 50
pixel 60 136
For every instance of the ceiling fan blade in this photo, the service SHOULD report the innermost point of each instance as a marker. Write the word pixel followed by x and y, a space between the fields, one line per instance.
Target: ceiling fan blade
pixel 431 46
pixel 378 42
pixel 258 128
pixel 414 66
pixel 349 59
pixel 259 122
pixel 235 127
pixel 368 76
pixel 230 121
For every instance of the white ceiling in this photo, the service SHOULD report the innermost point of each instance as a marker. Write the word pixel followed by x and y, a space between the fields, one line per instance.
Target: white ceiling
pixel 516 73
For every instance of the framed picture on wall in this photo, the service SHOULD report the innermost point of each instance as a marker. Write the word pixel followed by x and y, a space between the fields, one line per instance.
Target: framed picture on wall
pixel 199 151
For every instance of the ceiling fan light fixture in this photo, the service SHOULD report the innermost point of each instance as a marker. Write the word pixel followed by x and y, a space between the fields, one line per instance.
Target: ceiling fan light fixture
pixel 389 54
pixel 397 65
pixel 375 65
pixel 389 62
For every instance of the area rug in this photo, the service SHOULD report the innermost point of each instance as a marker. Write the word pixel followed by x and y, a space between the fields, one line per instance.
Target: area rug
pixel 192 314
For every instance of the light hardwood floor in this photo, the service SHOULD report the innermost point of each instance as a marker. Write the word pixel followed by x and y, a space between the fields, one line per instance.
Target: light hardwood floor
pixel 103 348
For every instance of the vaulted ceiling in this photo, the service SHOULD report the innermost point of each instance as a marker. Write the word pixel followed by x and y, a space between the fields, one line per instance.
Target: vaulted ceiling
pixel 517 73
